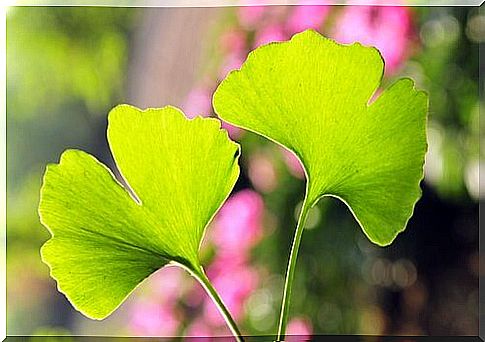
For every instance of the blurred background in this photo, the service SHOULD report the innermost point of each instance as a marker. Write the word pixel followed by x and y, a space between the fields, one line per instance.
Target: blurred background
pixel 67 67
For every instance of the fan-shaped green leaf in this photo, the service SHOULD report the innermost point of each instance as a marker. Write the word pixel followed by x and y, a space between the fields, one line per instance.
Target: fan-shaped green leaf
pixel 312 96
pixel 105 241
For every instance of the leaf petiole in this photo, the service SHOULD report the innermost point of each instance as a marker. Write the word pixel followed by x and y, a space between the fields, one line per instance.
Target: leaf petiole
pixel 290 270
pixel 201 277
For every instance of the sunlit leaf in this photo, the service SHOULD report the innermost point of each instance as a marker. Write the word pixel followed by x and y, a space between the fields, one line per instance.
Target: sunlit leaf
pixel 312 96
pixel 106 240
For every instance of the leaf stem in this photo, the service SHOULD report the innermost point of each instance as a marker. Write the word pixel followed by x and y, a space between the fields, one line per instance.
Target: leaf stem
pixel 290 270
pixel 212 292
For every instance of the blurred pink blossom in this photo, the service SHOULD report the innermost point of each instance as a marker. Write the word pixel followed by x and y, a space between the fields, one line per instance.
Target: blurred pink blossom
pixel 233 45
pixel 294 165
pixel 153 319
pixel 299 326
pixel 269 34
pixel 306 17
pixel 262 172
pixel 238 225
pixel 198 102
pixel 199 328
pixel 236 229
pixel 250 16
pixel 227 258
pixel 166 284
pixel 387 28
pixel 234 285
pixel 233 41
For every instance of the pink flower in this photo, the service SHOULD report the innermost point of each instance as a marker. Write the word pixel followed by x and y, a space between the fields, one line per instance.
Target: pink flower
pixel 234 285
pixel 387 28
pixel 153 319
pixel 262 172
pixel 294 165
pixel 306 17
pixel 225 260
pixel 301 327
pixel 238 225
pixel 198 102
pixel 249 16
pixel 269 34
pixel 199 329
pixel 165 284
pixel 233 41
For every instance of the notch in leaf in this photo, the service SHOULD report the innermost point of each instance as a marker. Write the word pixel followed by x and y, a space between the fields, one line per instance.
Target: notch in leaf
pixel 311 95
pixel 106 240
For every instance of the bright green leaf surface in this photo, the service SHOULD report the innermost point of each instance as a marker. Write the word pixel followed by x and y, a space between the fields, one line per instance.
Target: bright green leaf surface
pixel 105 242
pixel 312 95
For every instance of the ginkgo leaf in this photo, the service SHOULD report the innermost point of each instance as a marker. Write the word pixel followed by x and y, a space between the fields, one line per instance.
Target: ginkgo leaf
pixel 106 238
pixel 312 95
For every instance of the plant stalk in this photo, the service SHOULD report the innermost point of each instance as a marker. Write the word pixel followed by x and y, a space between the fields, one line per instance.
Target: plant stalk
pixel 290 270
pixel 212 292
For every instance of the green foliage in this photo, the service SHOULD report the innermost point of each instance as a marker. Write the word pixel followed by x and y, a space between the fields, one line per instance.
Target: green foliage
pixel 448 70
pixel 107 238
pixel 312 96
pixel 64 56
